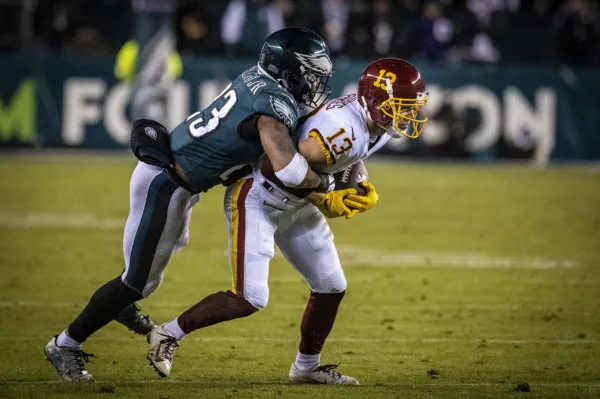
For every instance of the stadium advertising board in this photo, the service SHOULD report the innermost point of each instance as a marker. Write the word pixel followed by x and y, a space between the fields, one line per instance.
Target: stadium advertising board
pixel 475 113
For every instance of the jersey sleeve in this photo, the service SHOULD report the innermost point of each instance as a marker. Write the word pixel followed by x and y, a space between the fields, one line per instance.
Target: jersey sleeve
pixel 277 105
pixel 337 141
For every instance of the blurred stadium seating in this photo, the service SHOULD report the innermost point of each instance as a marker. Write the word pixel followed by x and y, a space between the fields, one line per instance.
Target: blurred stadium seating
pixel 508 78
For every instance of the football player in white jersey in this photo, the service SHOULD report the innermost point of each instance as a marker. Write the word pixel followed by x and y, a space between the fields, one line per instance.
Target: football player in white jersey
pixel 262 212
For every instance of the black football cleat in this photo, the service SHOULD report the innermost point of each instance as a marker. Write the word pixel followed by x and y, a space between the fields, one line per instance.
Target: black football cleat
pixel 132 318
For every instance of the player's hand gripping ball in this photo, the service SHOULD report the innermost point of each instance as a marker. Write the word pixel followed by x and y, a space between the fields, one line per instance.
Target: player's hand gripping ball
pixel 332 204
pixel 355 177
pixel 362 203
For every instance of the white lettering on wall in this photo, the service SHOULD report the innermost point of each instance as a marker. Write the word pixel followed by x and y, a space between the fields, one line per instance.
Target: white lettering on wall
pixel 178 104
pixel 81 107
pixel 116 123
pixel 529 126
pixel 488 105
pixel 524 124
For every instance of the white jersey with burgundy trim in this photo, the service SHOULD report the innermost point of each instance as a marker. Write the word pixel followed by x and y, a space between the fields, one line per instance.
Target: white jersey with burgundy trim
pixel 340 127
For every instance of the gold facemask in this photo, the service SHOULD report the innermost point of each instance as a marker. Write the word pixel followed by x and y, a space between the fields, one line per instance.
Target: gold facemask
pixel 407 109
pixel 402 110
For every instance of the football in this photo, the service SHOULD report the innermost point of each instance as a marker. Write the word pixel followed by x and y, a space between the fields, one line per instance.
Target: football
pixel 351 176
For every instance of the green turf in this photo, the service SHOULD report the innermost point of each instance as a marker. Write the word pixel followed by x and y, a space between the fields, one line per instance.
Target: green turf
pixel 482 330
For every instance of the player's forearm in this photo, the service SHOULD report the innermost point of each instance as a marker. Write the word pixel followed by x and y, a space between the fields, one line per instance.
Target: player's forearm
pixel 288 160
pixel 311 180
pixel 315 198
pixel 289 166
pixel 311 151
pixel 280 149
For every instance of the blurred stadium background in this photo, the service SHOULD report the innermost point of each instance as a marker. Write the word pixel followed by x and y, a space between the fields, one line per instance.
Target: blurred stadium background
pixel 477 275
pixel 513 79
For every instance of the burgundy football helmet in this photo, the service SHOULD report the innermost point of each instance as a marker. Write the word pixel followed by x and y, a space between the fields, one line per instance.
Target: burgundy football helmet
pixel 392 92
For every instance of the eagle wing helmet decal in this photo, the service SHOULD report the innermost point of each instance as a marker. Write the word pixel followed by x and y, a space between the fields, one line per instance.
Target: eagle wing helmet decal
pixel 319 63
pixel 283 111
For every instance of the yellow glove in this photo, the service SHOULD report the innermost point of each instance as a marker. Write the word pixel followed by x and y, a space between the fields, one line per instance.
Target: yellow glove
pixel 332 204
pixel 362 203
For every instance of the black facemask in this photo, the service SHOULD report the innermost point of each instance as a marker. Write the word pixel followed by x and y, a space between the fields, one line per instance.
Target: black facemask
pixel 312 90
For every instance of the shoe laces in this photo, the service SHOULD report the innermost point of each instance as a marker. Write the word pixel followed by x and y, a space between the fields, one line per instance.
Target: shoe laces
pixel 167 346
pixel 328 369
pixel 80 357
pixel 138 312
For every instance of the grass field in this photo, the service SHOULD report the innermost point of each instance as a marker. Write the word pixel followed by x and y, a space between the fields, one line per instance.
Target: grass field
pixel 464 282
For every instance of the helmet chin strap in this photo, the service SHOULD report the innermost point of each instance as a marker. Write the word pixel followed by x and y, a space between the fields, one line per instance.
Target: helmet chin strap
pixel 388 87
pixel 391 130
pixel 262 72
pixel 365 108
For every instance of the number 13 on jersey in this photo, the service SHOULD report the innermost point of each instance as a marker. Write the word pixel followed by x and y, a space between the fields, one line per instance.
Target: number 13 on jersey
pixel 340 142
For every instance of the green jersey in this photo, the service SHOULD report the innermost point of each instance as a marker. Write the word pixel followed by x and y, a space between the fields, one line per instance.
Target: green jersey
pixel 220 139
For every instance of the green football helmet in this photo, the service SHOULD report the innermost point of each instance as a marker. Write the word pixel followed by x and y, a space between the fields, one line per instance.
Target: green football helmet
pixel 299 60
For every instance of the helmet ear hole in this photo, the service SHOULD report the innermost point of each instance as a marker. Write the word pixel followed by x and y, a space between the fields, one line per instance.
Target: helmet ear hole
pixel 384 120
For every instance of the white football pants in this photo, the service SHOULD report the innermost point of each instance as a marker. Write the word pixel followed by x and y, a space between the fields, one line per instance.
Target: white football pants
pixel 258 218
pixel 157 226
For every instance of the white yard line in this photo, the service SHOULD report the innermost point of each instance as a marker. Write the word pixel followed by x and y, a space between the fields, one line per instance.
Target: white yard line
pixel 351 255
pixel 67 156
pixel 60 221
pixel 356 256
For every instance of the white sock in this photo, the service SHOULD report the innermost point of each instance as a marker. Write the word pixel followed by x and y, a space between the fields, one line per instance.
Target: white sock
pixel 64 341
pixel 173 328
pixel 307 362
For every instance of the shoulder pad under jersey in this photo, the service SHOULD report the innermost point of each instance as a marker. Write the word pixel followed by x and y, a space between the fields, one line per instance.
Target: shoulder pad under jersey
pixel 277 104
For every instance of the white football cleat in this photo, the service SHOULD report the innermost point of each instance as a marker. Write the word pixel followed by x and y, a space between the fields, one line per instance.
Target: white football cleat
pixel 320 375
pixel 162 349
pixel 68 362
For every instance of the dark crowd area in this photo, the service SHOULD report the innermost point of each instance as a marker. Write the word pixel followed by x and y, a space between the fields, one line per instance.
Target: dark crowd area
pixel 548 32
